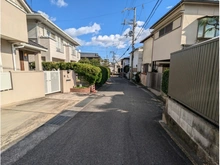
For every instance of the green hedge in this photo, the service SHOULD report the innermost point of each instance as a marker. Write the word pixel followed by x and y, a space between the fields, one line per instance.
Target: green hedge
pixel 165 81
pixel 105 74
pixel 91 73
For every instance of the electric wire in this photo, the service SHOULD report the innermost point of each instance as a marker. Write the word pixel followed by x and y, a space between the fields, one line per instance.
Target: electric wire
pixel 145 24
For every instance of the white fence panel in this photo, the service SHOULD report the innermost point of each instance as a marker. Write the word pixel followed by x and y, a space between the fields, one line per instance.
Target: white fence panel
pixel 52 81
pixel 6 82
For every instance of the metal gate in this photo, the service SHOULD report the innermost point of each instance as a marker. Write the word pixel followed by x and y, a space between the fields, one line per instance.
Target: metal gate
pixel 52 81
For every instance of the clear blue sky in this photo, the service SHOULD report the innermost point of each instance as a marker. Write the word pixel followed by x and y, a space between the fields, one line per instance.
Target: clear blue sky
pixel 97 24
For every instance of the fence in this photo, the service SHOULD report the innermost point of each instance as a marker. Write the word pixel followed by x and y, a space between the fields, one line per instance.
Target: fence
pixel 5 81
pixel 52 81
pixel 194 79
pixel 154 80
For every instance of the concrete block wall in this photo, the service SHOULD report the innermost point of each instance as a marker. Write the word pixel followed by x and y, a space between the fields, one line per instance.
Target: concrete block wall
pixel 200 131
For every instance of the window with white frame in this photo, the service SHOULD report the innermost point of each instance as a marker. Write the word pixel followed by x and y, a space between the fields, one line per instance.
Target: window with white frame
pixel 59 44
pixel 208 27
pixel 73 50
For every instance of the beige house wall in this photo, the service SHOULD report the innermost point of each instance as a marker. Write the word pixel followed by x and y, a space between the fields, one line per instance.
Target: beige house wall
pixel 54 53
pixel 32 33
pixel 46 43
pixel 26 85
pixel 6 55
pixel 68 80
pixel 190 22
pixel 166 44
pixel 143 78
pixel 147 51
pixel 177 13
pixel 13 22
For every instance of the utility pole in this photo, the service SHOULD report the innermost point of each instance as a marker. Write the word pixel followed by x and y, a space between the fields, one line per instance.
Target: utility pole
pixel 132 34
pixel 114 60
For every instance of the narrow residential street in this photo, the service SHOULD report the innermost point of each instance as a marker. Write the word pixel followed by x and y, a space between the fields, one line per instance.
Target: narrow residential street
pixel 119 127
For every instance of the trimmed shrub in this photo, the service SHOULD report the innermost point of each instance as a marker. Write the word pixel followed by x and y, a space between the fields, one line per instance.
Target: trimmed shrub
pixel 165 81
pixel 105 74
pixel 47 66
pixel 63 65
pixel 137 77
pixel 126 69
pixel 32 65
pixel 89 72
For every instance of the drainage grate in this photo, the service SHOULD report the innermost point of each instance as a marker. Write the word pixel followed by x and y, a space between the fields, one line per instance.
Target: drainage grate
pixel 84 102
pixel 58 120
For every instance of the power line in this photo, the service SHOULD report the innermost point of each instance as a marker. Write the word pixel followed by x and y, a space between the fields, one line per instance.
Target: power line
pixel 145 24
pixel 149 18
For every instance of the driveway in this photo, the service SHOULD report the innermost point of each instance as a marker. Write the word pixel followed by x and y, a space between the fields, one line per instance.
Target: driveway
pixel 20 119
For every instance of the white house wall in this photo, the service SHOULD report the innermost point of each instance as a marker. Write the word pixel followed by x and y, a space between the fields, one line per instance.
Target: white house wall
pixel 140 59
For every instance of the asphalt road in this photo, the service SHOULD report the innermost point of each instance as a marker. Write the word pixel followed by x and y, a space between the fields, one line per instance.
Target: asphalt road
pixel 120 127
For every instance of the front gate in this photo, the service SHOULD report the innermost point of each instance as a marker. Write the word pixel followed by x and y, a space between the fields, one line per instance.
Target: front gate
pixel 52 81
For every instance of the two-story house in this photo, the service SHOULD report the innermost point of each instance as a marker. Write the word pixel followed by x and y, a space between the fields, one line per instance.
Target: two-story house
pixel 17 81
pixel 187 23
pixel 61 47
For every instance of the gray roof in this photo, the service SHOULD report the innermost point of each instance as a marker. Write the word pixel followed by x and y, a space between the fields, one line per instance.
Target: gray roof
pixel 30 42
pixel 89 55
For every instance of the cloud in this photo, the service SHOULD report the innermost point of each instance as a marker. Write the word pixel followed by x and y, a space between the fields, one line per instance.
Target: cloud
pixel 116 40
pixel 169 7
pixel 119 41
pixel 59 3
pixel 94 29
pixel 112 40
pixel 47 16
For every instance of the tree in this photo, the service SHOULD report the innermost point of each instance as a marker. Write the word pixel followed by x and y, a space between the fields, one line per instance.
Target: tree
pixel 85 61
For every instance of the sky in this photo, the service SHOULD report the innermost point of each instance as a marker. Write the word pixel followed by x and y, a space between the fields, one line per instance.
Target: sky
pixel 97 24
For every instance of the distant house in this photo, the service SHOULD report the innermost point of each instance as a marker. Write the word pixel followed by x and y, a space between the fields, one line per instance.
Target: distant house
pixel 125 67
pixel 176 30
pixel 125 61
pixel 90 55
pixel 61 46
pixel 137 60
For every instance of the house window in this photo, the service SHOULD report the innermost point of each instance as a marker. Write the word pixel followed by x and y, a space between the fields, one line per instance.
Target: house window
pixel 73 50
pixel 47 33
pixel 53 36
pixel 208 27
pixel 166 29
pixel 59 44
